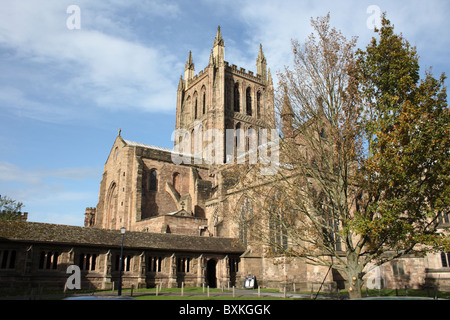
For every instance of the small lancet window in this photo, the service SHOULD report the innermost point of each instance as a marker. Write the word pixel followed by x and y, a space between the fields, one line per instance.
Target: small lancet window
pixel 153 185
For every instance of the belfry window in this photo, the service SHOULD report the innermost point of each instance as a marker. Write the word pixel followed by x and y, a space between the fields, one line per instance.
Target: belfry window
pixel 248 99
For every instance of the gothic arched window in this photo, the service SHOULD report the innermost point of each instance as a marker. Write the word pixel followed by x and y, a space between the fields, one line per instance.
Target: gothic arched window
pixel 245 215
pixel 278 220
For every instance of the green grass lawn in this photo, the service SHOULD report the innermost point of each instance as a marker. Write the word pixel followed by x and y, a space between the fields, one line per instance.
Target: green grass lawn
pixel 197 293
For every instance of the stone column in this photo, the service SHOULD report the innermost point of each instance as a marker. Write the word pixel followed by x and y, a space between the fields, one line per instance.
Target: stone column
pixel 142 271
pixel 172 283
pixel 107 283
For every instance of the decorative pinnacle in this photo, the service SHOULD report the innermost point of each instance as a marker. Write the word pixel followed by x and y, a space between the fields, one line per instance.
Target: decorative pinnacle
pixel 211 58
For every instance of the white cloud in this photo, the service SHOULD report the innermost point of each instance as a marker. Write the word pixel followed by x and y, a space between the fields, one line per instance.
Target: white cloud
pixel 51 195
pixel 12 173
pixel 275 23
pixel 97 62
pixel 15 100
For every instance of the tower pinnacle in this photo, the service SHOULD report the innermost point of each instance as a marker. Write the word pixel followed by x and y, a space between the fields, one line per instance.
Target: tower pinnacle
pixel 261 64
pixel 189 69
pixel 219 48
pixel 218 40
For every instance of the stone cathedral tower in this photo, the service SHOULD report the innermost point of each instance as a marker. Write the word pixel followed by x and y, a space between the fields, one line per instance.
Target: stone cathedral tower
pixel 222 97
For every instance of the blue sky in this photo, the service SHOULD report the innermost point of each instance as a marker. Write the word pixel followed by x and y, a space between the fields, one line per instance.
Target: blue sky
pixel 64 93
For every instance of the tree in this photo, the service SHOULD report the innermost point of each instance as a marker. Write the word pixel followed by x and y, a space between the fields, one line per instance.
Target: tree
pixel 406 173
pixel 10 209
pixel 338 199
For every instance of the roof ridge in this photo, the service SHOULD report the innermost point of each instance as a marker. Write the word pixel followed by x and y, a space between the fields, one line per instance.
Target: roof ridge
pixel 144 145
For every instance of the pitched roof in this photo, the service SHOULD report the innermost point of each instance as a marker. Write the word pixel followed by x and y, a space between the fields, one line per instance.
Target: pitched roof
pixel 34 232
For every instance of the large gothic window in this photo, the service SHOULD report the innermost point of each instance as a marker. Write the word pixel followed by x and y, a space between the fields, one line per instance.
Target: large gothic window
pixel 248 99
pixel 278 220
pixel 245 215
pixel 236 98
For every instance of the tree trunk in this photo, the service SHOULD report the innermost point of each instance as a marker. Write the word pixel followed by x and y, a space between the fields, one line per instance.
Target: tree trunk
pixel 354 276
pixel 354 286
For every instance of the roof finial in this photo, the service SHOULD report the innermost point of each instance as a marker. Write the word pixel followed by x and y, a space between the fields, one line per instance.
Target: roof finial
pixel 120 131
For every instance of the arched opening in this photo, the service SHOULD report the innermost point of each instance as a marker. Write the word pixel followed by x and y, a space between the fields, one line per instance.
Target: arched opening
pixel 176 182
pixel 211 279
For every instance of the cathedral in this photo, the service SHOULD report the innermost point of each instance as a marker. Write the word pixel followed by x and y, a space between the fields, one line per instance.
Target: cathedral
pixel 177 206
pixel 148 188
